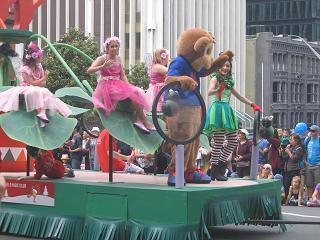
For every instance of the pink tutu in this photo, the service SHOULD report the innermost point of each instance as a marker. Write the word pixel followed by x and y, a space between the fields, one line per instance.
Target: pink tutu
pixel 152 92
pixel 111 89
pixel 109 92
pixel 35 98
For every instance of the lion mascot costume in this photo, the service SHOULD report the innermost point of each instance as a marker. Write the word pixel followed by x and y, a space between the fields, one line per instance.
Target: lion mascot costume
pixel 194 60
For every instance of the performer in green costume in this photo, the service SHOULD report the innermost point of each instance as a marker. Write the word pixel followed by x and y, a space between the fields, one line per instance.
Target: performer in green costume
pixel 221 121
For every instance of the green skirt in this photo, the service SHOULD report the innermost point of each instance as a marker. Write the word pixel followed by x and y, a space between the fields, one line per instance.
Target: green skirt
pixel 220 116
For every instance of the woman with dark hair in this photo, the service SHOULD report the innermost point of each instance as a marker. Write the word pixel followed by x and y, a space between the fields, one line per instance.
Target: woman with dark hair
pixel 221 119
pixel 296 154
pixel 273 154
pixel 32 86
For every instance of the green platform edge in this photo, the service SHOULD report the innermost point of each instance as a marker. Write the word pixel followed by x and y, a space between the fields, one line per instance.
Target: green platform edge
pixel 89 211
pixel 14 35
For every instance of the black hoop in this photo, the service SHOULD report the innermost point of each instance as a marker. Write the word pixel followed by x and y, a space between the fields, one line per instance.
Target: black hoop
pixel 155 117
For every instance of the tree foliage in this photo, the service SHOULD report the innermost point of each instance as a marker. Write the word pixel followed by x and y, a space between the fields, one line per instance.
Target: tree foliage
pixel 139 75
pixel 59 77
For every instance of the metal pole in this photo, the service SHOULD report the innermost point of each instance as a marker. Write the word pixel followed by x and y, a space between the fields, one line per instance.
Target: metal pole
pixel 110 159
pixel 254 162
pixel 180 166
pixel 28 165
pixel 282 222
pixel 255 148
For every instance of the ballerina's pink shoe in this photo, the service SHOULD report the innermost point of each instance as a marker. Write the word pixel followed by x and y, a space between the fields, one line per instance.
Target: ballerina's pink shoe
pixel 141 127
pixel 43 118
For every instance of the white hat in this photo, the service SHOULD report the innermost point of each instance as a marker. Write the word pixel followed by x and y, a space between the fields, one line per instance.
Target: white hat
pixel 95 129
pixel 64 156
pixel 245 132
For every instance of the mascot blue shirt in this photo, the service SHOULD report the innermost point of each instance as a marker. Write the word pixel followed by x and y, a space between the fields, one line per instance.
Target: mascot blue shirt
pixel 181 67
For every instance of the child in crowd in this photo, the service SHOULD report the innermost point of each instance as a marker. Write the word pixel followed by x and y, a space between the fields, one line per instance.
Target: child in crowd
pixel 283 194
pixel 158 74
pixel 32 86
pixel 45 164
pixel 266 172
pixel 295 193
pixel 315 201
pixel 113 86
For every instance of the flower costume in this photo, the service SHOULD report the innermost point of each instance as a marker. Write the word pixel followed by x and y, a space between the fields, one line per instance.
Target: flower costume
pixel 35 97
pixel 111 89
pixel 156 83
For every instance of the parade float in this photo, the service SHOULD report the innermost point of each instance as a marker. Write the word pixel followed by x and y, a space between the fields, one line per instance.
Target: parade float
pixel 99 205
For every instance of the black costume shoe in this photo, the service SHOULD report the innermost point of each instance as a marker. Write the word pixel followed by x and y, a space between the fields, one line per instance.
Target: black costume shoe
pixel 216 173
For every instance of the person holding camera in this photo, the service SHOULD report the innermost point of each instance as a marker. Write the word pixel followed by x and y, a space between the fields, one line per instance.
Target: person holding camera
pixel 296 154
pixel 242 154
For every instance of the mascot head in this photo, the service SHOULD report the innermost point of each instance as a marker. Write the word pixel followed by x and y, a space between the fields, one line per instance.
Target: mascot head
pixel 196 46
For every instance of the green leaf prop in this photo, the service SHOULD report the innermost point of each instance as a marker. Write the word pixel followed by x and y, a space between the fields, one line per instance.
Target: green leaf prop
pixel 77 110
pixel 120 126
pixel 74 94
pixel 204 142
pixel 24 127
pixel 5 88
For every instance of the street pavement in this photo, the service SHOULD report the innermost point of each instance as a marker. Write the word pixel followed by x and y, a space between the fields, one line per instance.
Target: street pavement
pixel 232 232
pixel 294 232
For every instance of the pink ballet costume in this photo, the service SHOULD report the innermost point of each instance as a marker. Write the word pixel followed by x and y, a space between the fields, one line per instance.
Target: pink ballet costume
pixel 156 83
pixel 111 89
pixel 35 97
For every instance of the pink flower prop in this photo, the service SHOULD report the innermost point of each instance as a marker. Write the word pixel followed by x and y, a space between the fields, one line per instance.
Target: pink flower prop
pixel 164 54
pixel 32 46
pixel 34 55
pixel 28 56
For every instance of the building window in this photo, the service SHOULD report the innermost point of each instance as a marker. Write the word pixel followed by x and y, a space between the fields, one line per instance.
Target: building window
pixel 301 117
pixel 257 12
pixel 292 122
pixel 283 92
pixel 276 120
pixel 315 93
pixel 250 12
pixel 267 11
pixel 274 10
pixel 281 10
pixel 293 93
pixel 296 117
pixel 301 95
pixel 303 9
pixel 276 95
pixel 309 93
pixel 283 120
pixel 309 118
pixel 297 93
pixel 293 63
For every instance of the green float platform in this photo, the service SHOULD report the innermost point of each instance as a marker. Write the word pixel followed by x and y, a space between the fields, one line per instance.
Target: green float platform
pixel 140 207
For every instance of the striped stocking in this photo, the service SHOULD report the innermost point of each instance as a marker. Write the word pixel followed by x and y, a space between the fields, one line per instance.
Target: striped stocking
pixel 218 138
pixel 231 137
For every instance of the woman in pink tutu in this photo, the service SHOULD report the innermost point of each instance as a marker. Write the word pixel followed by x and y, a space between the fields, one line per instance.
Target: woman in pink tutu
pixel 32 86
pixel 158 74
pixel 113 86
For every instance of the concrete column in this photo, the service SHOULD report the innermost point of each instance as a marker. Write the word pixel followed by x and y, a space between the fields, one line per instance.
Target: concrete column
pixel 132 32
pixel 122 25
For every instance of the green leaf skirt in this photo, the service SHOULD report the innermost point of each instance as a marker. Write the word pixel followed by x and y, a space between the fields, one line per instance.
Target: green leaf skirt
pixel 220 115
